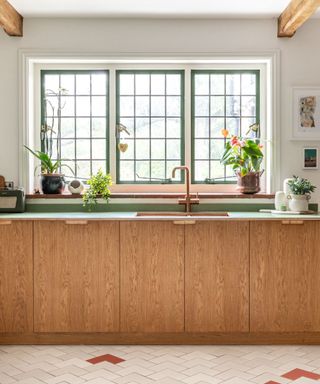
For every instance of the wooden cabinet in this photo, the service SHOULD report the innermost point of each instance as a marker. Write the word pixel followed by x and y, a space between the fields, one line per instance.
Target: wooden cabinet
pixel 152 277
pixel 285 276
pixel 76 276
pixel 156 281
pixel 16 276
pixel 217 277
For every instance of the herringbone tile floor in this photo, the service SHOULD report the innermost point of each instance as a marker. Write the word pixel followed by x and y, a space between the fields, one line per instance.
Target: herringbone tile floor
pixel 159 364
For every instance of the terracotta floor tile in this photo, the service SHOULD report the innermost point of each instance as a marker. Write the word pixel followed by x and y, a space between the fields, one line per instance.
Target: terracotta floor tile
pixel 109 358
pixel 297 373
pixel 272 382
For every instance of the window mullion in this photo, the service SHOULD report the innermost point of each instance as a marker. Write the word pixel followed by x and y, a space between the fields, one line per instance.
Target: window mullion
pixel 112 124
pixel 187 119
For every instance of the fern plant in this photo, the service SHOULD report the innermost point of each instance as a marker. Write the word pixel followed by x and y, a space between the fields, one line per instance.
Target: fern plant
pixel 98 187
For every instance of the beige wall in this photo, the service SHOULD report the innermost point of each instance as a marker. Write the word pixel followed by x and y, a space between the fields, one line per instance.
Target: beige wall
pixel 300 63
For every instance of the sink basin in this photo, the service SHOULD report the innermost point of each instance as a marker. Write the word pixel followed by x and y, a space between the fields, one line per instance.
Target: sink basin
pixel 183 214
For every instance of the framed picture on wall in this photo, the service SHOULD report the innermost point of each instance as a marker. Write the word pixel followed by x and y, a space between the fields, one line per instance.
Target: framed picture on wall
pixel 310 158
pixel 306 113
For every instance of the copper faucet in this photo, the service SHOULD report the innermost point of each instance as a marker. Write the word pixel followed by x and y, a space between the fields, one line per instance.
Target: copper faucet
pixel 188 200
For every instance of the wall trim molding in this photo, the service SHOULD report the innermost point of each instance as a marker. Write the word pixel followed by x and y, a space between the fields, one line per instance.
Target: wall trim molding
pixel 29 57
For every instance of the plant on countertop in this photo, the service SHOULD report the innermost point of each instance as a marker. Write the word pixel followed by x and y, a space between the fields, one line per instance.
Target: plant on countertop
pixel 98 187
pixel 243 154
pixel 300 186
pixel 48 166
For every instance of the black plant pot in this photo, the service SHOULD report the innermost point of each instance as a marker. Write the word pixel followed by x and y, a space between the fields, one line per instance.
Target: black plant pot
pixel 52 183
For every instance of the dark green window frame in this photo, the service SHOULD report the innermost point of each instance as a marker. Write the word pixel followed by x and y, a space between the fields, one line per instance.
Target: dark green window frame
pixel 43 73
pixel 167 179
pixel 193 138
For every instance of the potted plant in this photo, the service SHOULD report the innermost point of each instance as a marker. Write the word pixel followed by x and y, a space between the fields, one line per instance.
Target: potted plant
pixel 98 187
pixel 52 182
pixel 245 157
pixel 300 190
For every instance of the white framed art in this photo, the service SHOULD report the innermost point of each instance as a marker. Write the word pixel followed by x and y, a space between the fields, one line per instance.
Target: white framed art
pixel 306 113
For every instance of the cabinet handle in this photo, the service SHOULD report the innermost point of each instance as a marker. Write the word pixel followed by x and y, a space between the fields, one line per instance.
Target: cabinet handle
pixel 5 222
pixel 184 222
pixel 76 222
pixel 292 222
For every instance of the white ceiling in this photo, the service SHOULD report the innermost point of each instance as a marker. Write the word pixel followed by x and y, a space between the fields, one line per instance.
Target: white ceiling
pixel 150 8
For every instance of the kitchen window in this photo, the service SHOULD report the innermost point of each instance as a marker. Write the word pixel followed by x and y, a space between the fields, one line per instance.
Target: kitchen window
pixel 74 119
pixel 221 99
pixel 139 121
pixel 150 125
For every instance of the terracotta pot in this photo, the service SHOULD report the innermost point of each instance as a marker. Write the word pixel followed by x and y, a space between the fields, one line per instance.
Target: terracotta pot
pixel 250 183
pixel 52 183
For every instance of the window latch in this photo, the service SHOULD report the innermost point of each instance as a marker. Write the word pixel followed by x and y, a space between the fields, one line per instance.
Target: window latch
pixel 121 128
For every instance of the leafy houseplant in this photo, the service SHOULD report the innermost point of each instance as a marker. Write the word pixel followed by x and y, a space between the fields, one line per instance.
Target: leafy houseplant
pixel 52 182
pixel 300 186
pixel 245 157
pixel 98 187
pixel 300 190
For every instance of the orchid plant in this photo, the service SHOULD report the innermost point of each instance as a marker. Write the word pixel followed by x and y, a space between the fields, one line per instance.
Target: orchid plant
pixel 243 154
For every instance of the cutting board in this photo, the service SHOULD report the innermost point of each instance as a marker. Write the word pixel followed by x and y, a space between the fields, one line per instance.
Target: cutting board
pixel 2 182
pixel 273 211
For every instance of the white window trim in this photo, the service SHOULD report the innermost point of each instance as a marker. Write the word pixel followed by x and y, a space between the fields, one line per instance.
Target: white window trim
pixel 31 61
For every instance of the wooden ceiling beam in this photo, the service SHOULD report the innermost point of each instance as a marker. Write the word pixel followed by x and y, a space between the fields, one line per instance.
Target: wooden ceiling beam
pixel 296 13
pixel 10 20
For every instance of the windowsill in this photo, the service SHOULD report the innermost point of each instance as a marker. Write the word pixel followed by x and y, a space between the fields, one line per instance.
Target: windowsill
pixel 139 195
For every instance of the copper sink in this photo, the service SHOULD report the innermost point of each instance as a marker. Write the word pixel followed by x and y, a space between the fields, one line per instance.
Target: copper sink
pixel 184 214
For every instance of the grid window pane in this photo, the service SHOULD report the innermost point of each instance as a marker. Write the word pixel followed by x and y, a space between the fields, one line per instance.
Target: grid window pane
pixel 173 128
pixel 221 99
pixel 142 106
pixel 68 83
pixel 98 84
pixel 83 84
pixel 83 128
pixel 81 134
pixel 126 85
pixel 217 84
pixel 127 170
pixel 158 84
pixel 158 106
pixel 67 127
pixel 150 106
pixel 158 127
pixel 67 105
pixel 67 149
pixel 173 84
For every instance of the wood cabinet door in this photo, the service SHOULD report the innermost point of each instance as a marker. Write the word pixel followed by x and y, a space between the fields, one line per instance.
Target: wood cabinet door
pixel 76 277
pixel 285 277
pixel 152 277
pixel 217 277
pixel 16 276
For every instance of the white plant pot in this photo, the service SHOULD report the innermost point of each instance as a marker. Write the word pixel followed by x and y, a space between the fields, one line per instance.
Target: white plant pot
pixel 298 203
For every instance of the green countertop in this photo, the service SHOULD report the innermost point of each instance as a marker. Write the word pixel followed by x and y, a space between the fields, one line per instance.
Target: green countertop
pixel 132 216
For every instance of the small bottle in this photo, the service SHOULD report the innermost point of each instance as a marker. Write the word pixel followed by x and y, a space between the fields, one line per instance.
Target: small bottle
pixel 280 201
